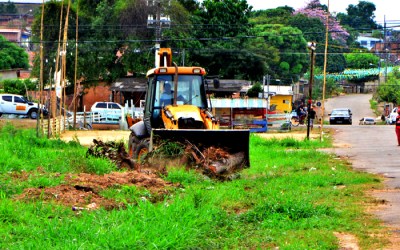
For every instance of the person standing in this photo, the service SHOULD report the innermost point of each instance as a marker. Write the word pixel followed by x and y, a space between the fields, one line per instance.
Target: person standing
pixel 312 115
pixel 398 126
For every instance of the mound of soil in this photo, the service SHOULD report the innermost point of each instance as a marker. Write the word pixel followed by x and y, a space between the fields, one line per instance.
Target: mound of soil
pixel 82 191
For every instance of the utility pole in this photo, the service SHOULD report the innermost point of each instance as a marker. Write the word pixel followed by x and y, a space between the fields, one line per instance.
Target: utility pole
pixel 312 47
pixel 385 47
pixel 325 66
pixel 158 23
pixel 158 34
pixel 263 86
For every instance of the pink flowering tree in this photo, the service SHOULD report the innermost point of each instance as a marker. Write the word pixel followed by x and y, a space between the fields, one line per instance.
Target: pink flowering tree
pixel 314 9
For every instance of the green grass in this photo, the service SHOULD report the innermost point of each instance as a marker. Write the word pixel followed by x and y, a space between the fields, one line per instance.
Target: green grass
pixel 292 197
pixel 374 106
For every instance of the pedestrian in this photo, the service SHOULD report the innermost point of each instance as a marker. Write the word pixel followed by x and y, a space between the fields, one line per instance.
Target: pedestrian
pixel 312 115
pixel 398 126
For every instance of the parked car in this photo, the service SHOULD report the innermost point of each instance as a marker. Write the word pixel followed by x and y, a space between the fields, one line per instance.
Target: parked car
pixel 341 116
pixel 19 105
pixel 108 111
pixel 367 121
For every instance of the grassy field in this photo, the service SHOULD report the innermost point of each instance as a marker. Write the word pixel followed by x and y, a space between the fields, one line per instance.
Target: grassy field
pixel 292 197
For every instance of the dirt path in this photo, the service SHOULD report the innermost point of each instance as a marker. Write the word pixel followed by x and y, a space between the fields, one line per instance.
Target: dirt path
pixel 371 149
pixel 85 137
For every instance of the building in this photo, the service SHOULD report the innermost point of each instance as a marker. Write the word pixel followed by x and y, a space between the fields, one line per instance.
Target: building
pixel 368 42
pixel 280 97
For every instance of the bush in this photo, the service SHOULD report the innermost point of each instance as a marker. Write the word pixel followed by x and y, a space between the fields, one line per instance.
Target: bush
pixel 17 86
pixel 254 90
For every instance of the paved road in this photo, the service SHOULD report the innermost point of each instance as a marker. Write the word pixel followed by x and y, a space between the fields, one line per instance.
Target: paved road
pixel 372 149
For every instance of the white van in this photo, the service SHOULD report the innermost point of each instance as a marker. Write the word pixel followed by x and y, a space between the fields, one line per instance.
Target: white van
pixel 108 111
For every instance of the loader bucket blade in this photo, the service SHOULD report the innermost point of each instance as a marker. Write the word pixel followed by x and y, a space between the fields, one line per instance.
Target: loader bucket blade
pixel 234 141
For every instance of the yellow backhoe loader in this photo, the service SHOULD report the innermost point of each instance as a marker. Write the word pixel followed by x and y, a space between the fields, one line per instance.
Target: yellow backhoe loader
pixel 177 108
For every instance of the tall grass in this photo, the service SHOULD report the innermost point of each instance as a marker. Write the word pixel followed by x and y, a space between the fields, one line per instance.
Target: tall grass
pixel 292 197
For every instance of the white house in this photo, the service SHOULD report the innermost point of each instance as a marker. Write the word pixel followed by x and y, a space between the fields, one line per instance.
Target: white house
pixel 368 42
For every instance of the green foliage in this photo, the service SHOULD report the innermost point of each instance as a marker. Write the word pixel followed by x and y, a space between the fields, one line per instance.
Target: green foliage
pixel 361 60
pixel 18 86
pixel 287 40
pixel 272 16
pixel 12 56
pixel 360 16
pixel 223 51
pixel 311 28
pixel 254 90
pixel 8 8
pixel 390 90
pixel 228 18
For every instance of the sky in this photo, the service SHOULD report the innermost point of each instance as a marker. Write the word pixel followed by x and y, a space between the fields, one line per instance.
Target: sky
pixel 385 9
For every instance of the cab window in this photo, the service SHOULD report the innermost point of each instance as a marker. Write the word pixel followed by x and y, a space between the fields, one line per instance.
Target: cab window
pixel 102 105
pixel 19 99
pixel 114 106
pixel 7 98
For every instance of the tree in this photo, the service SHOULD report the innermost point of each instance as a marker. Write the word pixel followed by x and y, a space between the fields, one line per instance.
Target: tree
pixel 360 16
pixel 227 18
pixel 314 30
pixel 224 49
pixel 390 90
pixel 12 56
pixel 279 15
pixel 254 90
pixel 8 8
pixel 292 50
pixel 190 5
pixel 97 48
pixel 361 60
pixel 314 9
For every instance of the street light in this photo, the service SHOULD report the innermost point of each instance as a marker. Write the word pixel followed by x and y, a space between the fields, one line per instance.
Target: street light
pixel 312 47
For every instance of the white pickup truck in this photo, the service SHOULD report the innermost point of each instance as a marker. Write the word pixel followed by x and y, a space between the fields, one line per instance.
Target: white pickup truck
pixel 18 105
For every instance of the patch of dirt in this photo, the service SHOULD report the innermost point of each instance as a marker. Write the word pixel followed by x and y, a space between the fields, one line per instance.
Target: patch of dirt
pixel 379 205
pixel 82 191
pixel 18 122
pixel 347 241
pixel 86 137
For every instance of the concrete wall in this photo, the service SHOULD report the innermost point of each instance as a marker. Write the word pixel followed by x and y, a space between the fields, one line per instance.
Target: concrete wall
pixel 283 103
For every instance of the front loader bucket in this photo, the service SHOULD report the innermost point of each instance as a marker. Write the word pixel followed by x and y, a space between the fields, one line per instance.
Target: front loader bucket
pixel 233 141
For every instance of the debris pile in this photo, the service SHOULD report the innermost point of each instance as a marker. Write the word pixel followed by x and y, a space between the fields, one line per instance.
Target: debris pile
pixel 214 162
pixel 115 151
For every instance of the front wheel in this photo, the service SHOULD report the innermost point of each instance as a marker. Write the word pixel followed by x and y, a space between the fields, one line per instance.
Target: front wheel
pixel 33 113
pixel 295 121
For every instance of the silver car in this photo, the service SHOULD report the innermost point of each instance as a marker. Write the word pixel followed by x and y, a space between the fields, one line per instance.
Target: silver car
pixel 367 121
